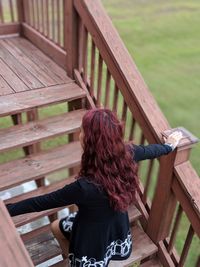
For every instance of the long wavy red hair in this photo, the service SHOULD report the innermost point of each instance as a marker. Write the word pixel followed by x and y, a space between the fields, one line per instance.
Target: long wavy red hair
pixel 106 159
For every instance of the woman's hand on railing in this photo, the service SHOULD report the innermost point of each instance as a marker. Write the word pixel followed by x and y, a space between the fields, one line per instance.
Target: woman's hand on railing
pixel 173 139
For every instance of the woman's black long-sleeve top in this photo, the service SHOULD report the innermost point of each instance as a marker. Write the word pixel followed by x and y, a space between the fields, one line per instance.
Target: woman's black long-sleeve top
pixel 74 193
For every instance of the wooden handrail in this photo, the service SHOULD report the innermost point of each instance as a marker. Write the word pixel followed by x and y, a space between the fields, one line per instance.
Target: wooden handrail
pixel 130 81
pixel 139 99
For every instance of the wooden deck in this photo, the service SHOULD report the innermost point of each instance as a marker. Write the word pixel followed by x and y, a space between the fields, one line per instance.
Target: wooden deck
pixel 24 67
pixel 80 40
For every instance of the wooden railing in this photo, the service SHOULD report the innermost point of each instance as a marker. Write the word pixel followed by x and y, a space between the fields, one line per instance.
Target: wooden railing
pixel 102 64
pixel 9 17
pixel 80 37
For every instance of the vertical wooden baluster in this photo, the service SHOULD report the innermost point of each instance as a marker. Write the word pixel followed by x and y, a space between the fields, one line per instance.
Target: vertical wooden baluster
pixel 47 18
pixel 147 184
pixel 1 13
pixel 186 247
pixel 107 94
pixel 30 6
pixel 11 10
pixel 34 13
pixel 27 12
pixel 53 20
pixel 58 22
pixel 38 15
pixel 85 54
pixel 175 228
pixel 198 262
pixel 99 82
pixel 42 14
pixel 124 112
pixel 142 139
pixel 80 47
pixel 92 75
pixel 132 130
pixel 115 100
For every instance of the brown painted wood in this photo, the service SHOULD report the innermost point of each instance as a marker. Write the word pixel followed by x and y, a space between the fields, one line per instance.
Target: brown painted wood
pixel 42 248
pixel 79 80
pixel 46 45
pixel 188 208
pixel 71 37
pixel 164 256
pixel 1 12
pixel 9 28
pixel 157 228
pixel 143 248
pixel 151 263
pixel 38 72
pixel 186 247
pixel 107 93
pixel 20 70
pixel 5 88
pixel 36 166
pixel 122 69
pixel 58 21
pixel 92 72
pixel 24 101
pixel 20 14
pixel 47 18
pixel 36 131
pixel 148 181
pixel 11 78
pixel 175 229
pixel 38 57
pixel 99 81
pixel 11 10
pixel 13 252
pixel 85 55
pixel 185 173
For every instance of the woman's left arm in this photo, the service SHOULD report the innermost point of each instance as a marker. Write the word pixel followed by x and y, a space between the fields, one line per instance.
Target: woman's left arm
pixel 152 151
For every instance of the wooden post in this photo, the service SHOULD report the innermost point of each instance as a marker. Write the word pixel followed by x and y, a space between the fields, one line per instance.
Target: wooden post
pixel 71 37
pixel 21 14
pixel 164 201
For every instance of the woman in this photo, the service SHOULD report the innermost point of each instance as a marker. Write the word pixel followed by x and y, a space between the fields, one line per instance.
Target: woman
pixel 105 187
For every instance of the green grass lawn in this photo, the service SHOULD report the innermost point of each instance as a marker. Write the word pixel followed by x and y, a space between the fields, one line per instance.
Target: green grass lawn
pixel 164 41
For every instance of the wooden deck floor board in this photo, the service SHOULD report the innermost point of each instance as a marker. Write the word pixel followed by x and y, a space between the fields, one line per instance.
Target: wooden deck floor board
pixel 11 78
pixel 24 101
pixel 24 67
pixel 20 70
pixel 39 57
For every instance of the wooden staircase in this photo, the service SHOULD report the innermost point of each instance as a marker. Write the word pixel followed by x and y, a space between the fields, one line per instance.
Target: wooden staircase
pixel 40 242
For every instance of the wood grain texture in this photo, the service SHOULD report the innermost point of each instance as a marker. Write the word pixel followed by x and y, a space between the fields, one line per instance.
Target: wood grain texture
pixel 19 69
pixel 11 78
pixel 13 252
pixel 24 101
pixel 46 45
pixel 33 68
pixel 42 248
pixel 5 88
pixel 36 131
pixel 45 63
pixel 35 166
pixel 151 263
pixel 9 28
pixel 123 69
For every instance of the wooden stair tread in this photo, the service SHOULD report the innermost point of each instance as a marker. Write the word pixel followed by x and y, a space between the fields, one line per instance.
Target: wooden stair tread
pixel 42 247
pixel 20 220
pixel 142 248
pixel 38 165
pixel 151 263
pixel 32 132
pixel 23 101
pixel 63 263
